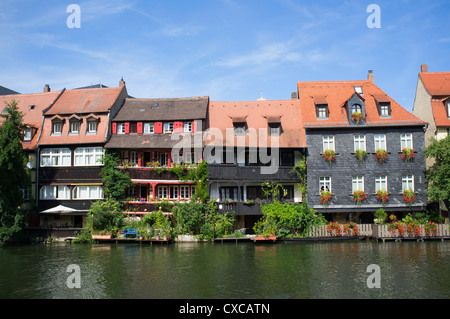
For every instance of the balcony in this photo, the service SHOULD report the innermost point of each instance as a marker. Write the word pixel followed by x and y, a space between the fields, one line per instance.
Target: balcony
pixel 235 172
pixel 156 172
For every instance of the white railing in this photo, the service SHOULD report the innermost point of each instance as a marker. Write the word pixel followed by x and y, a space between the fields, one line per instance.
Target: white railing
pixel 322 231
pixel 382 231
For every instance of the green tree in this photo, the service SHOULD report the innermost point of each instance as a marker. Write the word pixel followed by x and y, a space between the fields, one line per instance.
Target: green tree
pixel 13 173
pixel 438 175
pixel 116 180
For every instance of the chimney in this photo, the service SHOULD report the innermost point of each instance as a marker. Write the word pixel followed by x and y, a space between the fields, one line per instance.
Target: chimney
pixel 121 82
pixel 424 68
pixel 47 88
pixel 294 95
pixel 370 76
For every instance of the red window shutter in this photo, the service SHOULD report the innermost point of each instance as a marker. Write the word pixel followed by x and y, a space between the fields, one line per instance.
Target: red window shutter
pixel 114 128
pixel 178 127
pixel 127 127
pixel 139 127
pixel 158 128
pixel 194 126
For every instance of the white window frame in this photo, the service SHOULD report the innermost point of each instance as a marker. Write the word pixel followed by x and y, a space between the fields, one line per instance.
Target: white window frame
pixel 328 143
pixel 120 128
pixel 184 192
pixel 380 141
pixel 56 128
pixel 325 181
pixel 74 127
pixel 407 182
pixel 168 127
pixel 149 128
pixel 357 183
pixel 56 157
pixel 93 192
pixel 134 157
pixel 52 192
pixel 162 192
pixel 359 142
pixel 164 159
pixel 27 134
pixel 322 112
pixel 92 127
pixel 381 183
pixel 88 156
pixel 356 108
pixel 384 109
pixel 173 192
pixel 187 127
pixel 406 140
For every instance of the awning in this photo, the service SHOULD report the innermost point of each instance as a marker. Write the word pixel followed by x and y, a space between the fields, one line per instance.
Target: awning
pixel 63 210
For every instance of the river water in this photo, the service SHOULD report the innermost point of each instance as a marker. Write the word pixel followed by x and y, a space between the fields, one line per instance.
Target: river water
pixel 285 270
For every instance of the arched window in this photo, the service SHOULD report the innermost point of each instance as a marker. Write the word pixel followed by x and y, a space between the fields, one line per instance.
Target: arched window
pixel 356 108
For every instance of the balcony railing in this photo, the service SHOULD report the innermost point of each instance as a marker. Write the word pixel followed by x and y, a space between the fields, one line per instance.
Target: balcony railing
pixel 233 172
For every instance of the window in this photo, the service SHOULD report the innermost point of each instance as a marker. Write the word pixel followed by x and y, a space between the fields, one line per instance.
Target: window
pixel 187 127
pixel 384 109
pixel 357 183
pixel 162 192
pixel 358 89
pixel 74 127
pixel 356 108
pixel 448 109
pixel 87 192
pixel 380 141
pixel 120 128
pixel 184 192
pixel 359 142
pixel 54 192
pixel 134 158
pixel 25 193
pixel 322 111
pixel 149 128
pixel 230 193
pixel 168 127
pixel 407 182
pixel 164 159
pixel 325 183
pixel 274 129
pixel 92 127
pixel 27 134
pixel 239 129
pixel 56 128
pixel 406 141
pixel 173 192
pixel 88 156
pixel 381 183
pixel 328 142
pixel 56 157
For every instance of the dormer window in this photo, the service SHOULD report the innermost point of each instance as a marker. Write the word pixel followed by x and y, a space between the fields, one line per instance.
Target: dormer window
pixel 56 128
pixel 92 124
pixel 448 108
pixel 356 108
pixel 385 109
pixel 322 111
pixel 383 105
pixel 27 134
pixel 274 129
pixel 75 127
pixel 239 129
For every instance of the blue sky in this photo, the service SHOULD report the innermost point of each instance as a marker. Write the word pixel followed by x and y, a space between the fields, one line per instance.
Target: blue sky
pixel 227 49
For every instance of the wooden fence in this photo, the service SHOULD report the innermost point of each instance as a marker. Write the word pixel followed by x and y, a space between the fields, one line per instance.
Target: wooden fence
pixel 322 231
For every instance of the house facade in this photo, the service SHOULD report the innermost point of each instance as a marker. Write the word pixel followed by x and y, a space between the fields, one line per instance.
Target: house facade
pixel 71 144
pixel 32 107
pixel 249 144
pixel 432 104
pixel 346 119
pixel 156 140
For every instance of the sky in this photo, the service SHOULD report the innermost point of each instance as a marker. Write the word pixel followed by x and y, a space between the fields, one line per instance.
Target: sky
pixel 228 50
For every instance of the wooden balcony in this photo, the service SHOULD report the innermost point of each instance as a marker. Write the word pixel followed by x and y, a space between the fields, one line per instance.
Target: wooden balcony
pixel 255 173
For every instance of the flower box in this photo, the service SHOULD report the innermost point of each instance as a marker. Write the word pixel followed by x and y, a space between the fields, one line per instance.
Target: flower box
pixel 381 155
pixel 329 156
pixel 408 154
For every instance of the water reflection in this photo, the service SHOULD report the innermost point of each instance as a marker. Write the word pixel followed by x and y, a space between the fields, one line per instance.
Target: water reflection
pixel 244 270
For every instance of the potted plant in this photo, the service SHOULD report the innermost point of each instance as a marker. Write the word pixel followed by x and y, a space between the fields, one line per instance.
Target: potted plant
pixel 408 196
pixel 325 197
pixel 357 117
pixel 329 156
pixel 408 154
pixel 381 155
pixel 383 195
pixel 360 155
pixel 359 196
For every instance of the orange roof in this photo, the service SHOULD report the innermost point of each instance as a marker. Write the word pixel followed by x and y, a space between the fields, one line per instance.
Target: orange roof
pixel 438 86
pixel 32 107
pixel 85 101
pixel 436 83
pixel 337 93
pixel 257 115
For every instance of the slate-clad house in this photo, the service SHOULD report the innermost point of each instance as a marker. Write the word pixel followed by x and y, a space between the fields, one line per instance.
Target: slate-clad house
pixel 327 111
pixel 32 107
pixel 251 143
pixel 70 145
pixel 144 133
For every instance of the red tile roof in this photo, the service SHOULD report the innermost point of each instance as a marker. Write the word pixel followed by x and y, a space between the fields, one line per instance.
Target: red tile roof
pixel 85 101
pixel 257 114
pixel 438 86
pixel 32 106
pixel 337 93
